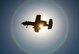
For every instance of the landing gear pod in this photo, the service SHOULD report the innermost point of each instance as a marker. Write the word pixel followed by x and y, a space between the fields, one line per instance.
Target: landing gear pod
pixel 50 24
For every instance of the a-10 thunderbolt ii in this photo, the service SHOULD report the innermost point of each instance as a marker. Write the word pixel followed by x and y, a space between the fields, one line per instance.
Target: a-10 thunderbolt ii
pixel 38 23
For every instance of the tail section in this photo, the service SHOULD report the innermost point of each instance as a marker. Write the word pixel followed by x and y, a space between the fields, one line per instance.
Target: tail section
pixel 50 24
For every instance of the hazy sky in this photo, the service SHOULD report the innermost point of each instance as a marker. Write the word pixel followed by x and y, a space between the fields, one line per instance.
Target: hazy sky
pixel 7 9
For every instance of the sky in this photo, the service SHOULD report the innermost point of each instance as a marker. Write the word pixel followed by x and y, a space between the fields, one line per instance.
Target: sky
pixel 8 46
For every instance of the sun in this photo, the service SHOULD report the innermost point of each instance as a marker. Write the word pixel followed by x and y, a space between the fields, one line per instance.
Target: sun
pixel 42 27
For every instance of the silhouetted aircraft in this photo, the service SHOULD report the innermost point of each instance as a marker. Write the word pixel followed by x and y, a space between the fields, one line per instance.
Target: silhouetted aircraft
pixel 38 23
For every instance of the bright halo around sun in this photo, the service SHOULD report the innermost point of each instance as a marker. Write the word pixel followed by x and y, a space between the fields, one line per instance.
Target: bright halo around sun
pixel 46 40
pixel 42 29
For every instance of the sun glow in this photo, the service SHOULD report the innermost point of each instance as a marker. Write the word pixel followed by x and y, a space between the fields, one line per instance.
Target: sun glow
pixel 46 40
pixel 41 25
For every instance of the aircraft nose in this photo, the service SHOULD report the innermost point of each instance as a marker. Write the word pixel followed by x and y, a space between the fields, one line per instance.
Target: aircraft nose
pixel 23 23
